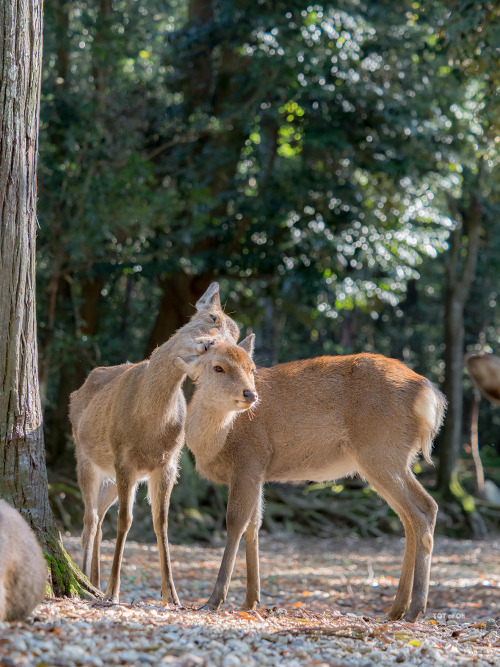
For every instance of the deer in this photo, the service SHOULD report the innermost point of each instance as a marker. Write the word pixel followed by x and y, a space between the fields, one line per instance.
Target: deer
pixel 313 420
pixel 23 571
pixel 128 427
pixel 484 371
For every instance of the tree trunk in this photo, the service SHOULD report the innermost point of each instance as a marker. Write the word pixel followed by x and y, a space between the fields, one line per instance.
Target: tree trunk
pixel 460 274
pixel 452 387
pixel 474 443
pixel 23 476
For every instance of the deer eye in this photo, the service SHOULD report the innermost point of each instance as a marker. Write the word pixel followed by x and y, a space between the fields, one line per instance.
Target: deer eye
pixel 214 318
pixel 218 369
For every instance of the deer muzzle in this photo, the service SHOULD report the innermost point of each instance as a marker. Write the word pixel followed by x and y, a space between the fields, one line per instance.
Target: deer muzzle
pixel 250 396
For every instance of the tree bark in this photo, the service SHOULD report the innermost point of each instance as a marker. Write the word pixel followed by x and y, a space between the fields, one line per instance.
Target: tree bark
pixel 23 476
pixel 460 274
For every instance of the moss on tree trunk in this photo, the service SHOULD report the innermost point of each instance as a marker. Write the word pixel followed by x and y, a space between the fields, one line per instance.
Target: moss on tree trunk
pixel 64 577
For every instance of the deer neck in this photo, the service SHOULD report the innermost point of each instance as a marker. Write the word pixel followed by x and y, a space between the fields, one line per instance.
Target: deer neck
pixel 162 383
pixel 206 432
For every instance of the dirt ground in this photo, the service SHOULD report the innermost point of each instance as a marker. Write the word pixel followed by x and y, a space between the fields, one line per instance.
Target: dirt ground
pixel 323 603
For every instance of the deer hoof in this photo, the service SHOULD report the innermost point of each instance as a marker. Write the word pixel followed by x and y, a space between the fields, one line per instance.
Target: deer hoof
pixel 411 616
pixel 394 614
pixel 112 599
pixel 250 606
pixel 210 606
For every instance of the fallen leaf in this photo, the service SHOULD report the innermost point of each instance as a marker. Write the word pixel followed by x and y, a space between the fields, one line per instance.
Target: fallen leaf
pixel 414 642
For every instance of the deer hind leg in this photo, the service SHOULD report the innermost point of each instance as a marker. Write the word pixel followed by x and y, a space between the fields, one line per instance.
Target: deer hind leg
pixel 161 482
pixel 243 497
pixel 108 495
pixel 252 598
pixel 417 510
pixel 427 507
pixel 403 595
pixel 89 480
pixel 126 483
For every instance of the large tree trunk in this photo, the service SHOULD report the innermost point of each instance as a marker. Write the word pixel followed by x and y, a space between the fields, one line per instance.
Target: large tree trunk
pixel 23 476
pixel 460 273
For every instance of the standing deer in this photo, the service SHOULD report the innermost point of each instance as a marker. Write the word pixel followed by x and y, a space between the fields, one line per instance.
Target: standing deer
pixel 318 420
pixel 128 426
pixel 23 571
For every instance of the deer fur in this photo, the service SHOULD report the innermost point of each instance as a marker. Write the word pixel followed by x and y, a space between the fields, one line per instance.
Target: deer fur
pixel 128 426
pixel 318 420
pixel 484 370
pixel 23 571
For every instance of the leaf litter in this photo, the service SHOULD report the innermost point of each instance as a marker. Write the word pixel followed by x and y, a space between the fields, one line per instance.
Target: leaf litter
pixel 323 603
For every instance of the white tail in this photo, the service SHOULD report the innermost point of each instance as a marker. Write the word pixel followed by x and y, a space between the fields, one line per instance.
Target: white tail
pixel 128 426
pixel 316 420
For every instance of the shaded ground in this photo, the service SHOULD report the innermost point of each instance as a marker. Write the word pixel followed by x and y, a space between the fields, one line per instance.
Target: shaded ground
pixel 323 603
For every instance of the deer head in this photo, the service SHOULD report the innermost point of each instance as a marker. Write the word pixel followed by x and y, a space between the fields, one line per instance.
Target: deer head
pixel 208 325
pixel 224 376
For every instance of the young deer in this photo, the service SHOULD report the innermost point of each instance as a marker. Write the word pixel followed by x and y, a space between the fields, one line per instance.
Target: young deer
pixel 318 420
pixel 23 572
pixel 128 426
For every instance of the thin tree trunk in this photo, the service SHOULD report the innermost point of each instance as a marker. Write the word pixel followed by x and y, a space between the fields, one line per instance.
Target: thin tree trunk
pixel 460 274
pixel 474 443
pixel 23 476
pixel 452 387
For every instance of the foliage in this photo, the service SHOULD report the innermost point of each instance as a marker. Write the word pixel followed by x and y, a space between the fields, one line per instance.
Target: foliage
pixel 311 158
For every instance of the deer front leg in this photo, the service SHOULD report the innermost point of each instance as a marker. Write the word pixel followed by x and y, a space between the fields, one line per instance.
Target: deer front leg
pixel 160 488
pixel 126 484
pixel 243 498
pixel 252 598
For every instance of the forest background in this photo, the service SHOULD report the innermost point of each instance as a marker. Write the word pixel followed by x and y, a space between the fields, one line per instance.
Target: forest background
pixel 334 167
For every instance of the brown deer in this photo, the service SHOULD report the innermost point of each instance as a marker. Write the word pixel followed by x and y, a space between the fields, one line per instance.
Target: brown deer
pixel 318 420
pixel 128 426
pixel 23 571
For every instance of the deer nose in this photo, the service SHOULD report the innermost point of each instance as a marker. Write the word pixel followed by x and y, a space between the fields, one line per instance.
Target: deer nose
pixel 250 396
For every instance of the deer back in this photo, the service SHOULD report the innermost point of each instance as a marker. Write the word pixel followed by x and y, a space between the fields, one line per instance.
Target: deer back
pixel 317 418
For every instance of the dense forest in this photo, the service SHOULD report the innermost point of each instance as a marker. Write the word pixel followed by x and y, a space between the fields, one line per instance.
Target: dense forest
pixel 334 167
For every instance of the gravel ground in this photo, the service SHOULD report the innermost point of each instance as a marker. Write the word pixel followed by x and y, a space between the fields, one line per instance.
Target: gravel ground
pixel 323 603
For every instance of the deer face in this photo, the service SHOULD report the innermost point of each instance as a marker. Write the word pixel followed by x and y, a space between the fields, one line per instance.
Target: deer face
pixel 224 376
pixel 209 325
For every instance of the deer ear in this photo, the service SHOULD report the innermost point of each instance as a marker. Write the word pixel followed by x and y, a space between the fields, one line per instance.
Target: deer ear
pixel 247 344
pixel 186 364
pixel 210 299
